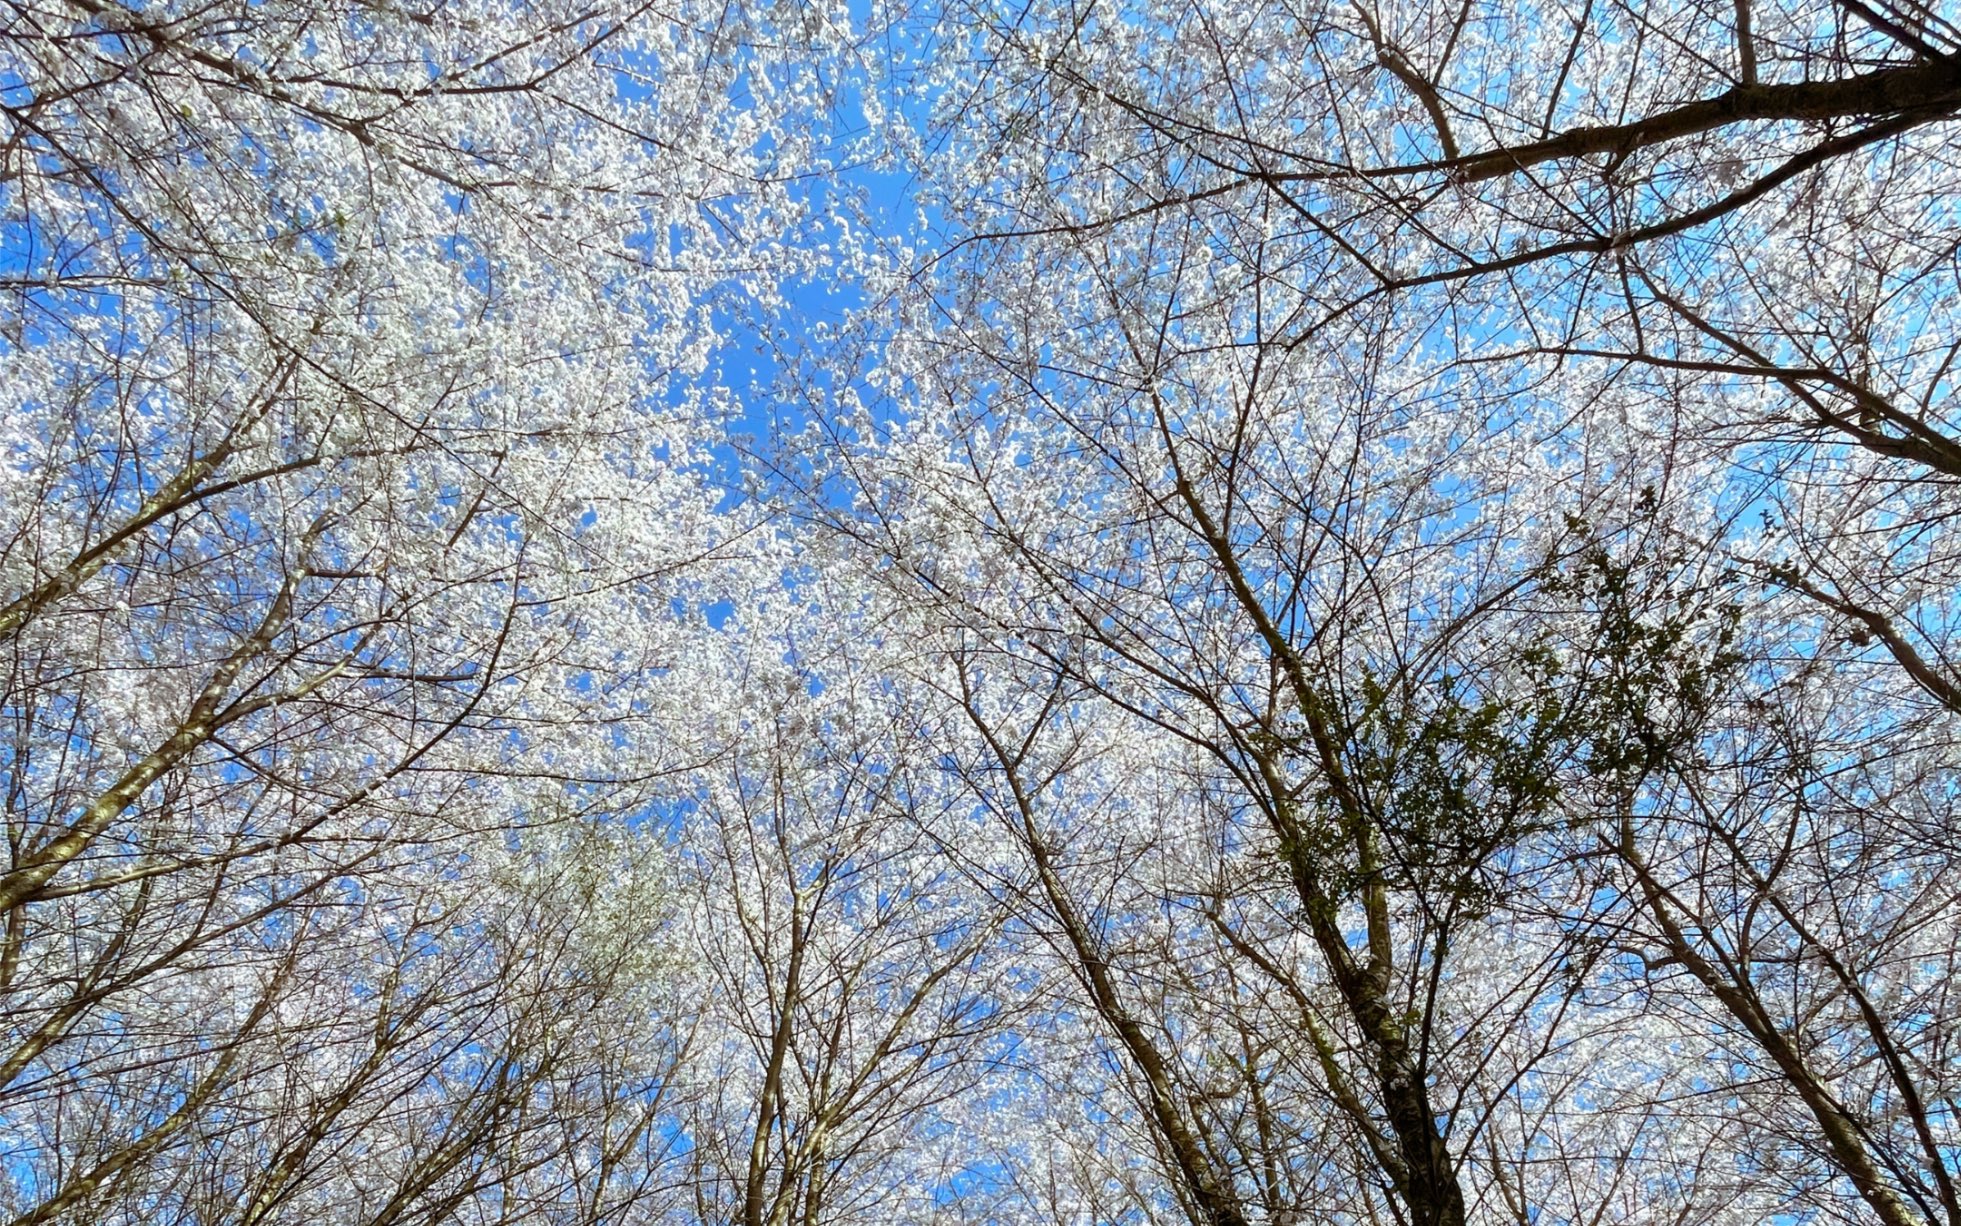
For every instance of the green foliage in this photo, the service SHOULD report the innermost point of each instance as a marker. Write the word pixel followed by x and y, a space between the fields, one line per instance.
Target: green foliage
pixel 1453 772
pixel 1662 653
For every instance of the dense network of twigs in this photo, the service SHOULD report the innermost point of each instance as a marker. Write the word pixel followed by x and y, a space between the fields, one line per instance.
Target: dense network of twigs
pixel 1352 612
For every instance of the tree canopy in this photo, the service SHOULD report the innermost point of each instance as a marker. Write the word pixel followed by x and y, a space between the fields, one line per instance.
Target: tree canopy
pixel 1061 613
